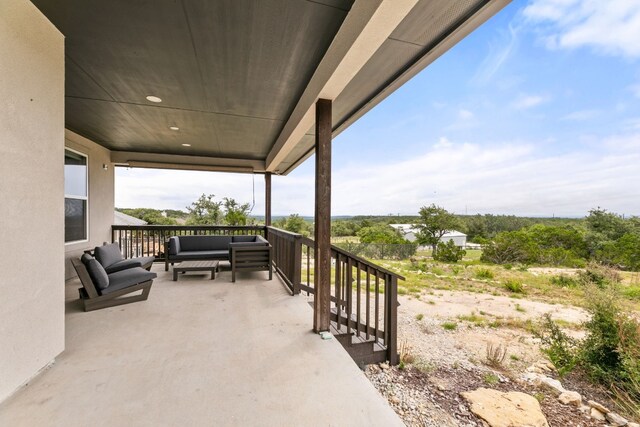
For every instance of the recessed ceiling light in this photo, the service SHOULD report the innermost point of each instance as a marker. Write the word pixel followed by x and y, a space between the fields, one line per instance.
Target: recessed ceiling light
pixel 153 98
pixel 186 145
pixel 174 128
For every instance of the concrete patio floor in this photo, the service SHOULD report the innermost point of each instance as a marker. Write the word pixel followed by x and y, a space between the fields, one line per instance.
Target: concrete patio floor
pixel 199 353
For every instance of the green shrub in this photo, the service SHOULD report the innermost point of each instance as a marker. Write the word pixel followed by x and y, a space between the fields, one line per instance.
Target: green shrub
pixel 610 351
pixel 559 347
pixel 564 281
pixel 449 252
pixel 514 286
pixel 484 273
pixel 599 275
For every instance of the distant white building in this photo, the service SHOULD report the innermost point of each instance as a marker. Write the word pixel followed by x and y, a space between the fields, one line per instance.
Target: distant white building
pixel 408 231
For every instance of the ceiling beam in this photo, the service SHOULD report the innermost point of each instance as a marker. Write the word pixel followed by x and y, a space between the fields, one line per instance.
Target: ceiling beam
pixel 366 27
pixel 174 161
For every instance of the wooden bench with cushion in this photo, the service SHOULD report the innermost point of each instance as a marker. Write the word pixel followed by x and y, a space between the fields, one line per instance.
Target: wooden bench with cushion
pixel 101 290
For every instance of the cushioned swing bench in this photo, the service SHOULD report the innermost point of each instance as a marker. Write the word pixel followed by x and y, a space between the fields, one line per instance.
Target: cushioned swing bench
pixel 101 289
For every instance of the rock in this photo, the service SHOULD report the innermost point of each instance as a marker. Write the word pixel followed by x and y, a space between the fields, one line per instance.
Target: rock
pixel 598 406
pixel 532 378
pixel 616 420
pixel 597 415
pixel 553 386
pixel 570 398
pixel 633 425
pixel 384 366
pixel 500 409
pixel 395 399
pixel 585 409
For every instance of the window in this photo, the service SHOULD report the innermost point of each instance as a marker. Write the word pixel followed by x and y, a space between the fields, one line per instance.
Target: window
pixel 75 197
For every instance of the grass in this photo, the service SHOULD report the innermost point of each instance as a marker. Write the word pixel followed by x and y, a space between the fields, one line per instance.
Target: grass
pixel 514 286
pixel 484 273
pixel 474 318
pixel 450 326
pixel 490 378
pixel 520 309
pixel 419 316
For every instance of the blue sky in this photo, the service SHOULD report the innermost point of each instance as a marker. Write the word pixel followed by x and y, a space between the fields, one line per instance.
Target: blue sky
pixel 535 113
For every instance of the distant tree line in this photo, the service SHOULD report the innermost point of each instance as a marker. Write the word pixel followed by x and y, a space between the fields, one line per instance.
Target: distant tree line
pixel 602 236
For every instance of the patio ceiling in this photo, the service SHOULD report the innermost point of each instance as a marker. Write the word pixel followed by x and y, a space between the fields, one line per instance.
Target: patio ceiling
pixel 240 77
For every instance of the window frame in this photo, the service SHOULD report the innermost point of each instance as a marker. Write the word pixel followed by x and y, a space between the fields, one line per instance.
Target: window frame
pixel 85 198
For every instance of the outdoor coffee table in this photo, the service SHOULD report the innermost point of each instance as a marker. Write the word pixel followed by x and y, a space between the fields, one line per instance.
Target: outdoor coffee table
pixel 185 266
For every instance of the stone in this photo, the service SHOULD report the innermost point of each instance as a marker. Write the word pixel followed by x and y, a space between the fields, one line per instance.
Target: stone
pixel 598 406
pixel 384 366
pixel 394 399
pixel 616 420
pixel 585 409
pixel 597 415
pixel 633 425
pixel 551 385
pixel 570 398
pixel 499 409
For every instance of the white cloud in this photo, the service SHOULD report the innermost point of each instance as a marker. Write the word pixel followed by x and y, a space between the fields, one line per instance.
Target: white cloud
pixel 528 101
pixel 173 189
pixel 465 114
pixel 635 89
pixel 581 115
pixel 518 178
pixel 610 27
pixel 499 53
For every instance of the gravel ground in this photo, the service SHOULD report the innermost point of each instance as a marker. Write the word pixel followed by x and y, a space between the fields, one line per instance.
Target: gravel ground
pixel 445 363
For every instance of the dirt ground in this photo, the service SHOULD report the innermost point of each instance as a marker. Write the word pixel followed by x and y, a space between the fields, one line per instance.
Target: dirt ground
pixel 447 361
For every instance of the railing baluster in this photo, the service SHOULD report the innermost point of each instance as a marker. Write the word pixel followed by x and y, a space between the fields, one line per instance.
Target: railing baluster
pixel 349 293
pixel 338 291
pixel 368 302
pixel 358 298
pixel 376 327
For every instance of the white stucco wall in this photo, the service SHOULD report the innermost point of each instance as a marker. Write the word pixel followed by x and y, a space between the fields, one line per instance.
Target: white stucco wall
pixel 31 193
pixel 101 197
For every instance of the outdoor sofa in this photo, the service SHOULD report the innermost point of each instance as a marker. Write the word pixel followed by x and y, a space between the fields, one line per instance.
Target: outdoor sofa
pixel 101 289
pixel 244 252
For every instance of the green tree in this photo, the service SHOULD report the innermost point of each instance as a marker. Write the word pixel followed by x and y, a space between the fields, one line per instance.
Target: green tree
pixel 295 224
pixel 434 222
pixel 380 233
pixel 234 213
pixel 449 252
pixel 204 211
pixel 623 253
pixel 603 228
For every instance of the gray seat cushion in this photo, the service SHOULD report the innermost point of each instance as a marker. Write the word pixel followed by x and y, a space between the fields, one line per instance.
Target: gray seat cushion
pixel 129 263
pixel 174 245
pixel 85 258
pixel 98 275
pixel 204 243
pixel 126 278
pixel 219 254
pixel 243 239
pixel 108 255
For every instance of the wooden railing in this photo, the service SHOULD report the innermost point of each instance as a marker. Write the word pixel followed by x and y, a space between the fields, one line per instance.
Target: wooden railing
pixel 364 296
pixel 149 240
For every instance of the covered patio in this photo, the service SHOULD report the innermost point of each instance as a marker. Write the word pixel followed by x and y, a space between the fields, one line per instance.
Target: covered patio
pixel 251 86
pixel 199 352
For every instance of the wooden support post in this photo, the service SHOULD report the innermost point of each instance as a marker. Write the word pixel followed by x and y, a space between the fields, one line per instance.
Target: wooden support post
pixel 267 202
pixel 322 265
